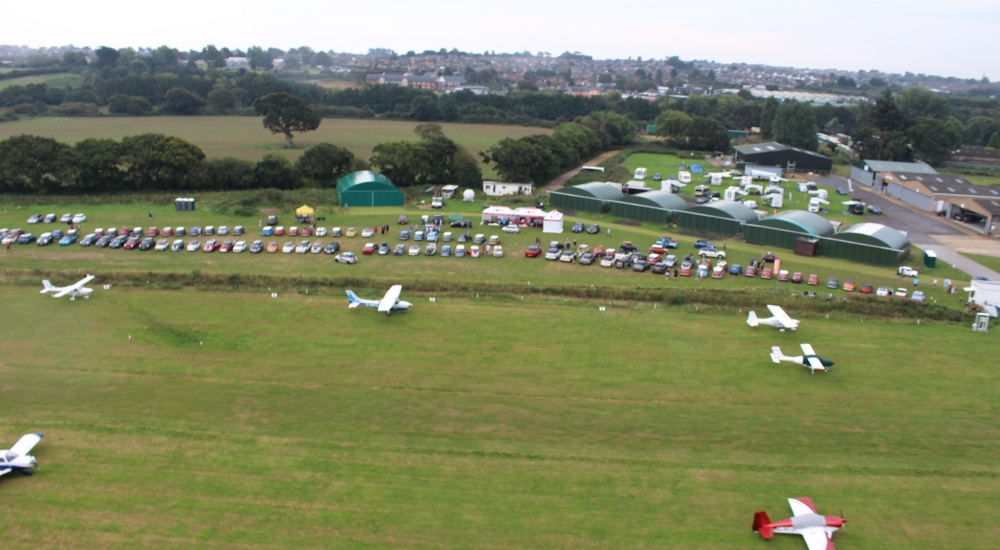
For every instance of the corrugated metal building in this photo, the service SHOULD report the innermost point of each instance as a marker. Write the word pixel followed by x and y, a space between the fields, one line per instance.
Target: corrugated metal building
pixel 869 172
pixel 722 217
pixel 367 188
pixel 589 197
pixel 783 228
pixel 652 206
pixel 869 243
pixel 790 159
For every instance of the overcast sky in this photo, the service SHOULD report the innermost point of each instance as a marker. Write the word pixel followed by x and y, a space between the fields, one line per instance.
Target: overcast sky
pixel 955 38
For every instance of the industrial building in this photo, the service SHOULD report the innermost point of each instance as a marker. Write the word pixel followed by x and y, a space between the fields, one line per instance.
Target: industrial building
pixel 721 217
pixel 652 206
pixel 782 229
pixel 592 197
pixel 367 188
pixel 977 206
pixel 789 159
pixel 870 172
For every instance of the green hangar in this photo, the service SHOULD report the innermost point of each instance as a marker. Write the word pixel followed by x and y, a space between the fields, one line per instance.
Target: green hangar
pixel 721 217
pixel 781 229
pixel 367 188
pixel 588 197
pixel 652 206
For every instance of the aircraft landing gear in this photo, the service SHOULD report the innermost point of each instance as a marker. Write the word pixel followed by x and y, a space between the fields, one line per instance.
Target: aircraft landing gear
pixel 28 473
pixel 87 297
pixel 72 298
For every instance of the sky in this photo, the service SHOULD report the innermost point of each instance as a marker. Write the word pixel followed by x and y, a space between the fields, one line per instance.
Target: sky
pixel 956 38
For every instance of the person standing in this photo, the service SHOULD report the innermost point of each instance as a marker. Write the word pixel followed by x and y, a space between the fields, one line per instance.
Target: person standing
pixel 609 231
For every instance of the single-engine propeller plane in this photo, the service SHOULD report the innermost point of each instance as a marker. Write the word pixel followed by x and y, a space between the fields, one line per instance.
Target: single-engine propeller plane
pixel 816 529
pixel 74 290
pixel 389 303
pixel 778 319
pixel 809 359
pixel 17 457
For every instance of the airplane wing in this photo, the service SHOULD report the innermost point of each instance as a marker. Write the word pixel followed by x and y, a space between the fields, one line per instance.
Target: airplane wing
pixel 2 472
pixel 783 318
pixel 802 506
pixel 390 298
pixel 807 349
pixel 817 540
pixel 67 289
pixel 25 444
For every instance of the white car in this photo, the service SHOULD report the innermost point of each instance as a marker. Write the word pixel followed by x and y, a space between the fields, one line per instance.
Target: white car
pixel 906 271
pixel 79 218
pixel 511 228
pixel 288 248
pixel 194 245
pixel 240 246
pixel 367 232
pixel 223 230
pixel 567 256
pixel 177 245
pixel 498 251
pixel 553 254
pixel 302 248
pixel 320 231
pixel 180 231
pixel 901 292
pixel 66 218
pixel 712 253
pixel 608 260
pixel 414 250
pixel 162 245
pixel 317 247
pixel 346 258
pixel 883 291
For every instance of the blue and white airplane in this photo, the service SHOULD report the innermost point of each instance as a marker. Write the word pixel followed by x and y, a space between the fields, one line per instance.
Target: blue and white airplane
pixel 389 303
pixel 17 457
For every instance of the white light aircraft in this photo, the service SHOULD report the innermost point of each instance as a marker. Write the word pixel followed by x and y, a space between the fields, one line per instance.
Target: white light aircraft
pixel 816 529
pixel 389 303
pixel 74 290
pixel 17 457
pixel 809 360
pixel 779 319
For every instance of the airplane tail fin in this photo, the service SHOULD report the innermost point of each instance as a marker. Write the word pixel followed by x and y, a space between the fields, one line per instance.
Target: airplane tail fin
pixel 48 286
pixel 353 299
pixel 752 319
pixel 762 525
pixel 776 354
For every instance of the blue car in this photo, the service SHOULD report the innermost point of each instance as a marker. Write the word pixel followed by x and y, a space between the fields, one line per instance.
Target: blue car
pixel 69 239
pixel 703 244
pixel 404 235
pixel 736 269
pixel 267 231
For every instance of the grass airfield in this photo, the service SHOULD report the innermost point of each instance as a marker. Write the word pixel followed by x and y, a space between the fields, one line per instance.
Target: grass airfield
pixel 238 420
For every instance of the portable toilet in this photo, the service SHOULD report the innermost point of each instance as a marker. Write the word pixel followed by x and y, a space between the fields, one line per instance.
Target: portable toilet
pixel 930 258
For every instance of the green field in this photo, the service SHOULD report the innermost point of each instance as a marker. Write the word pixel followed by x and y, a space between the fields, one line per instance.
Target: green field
pixel 514 268
pixel 59 80
pixel 246 138
pixel 239 420
pixel 991 262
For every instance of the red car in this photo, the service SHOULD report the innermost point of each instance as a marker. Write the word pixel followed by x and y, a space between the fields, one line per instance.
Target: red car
pixel 211 246
pixel 813 279
pixel 307 232
pixel 167 232
pixel 751 271
pixel 867 288
pixel 293 231
pixel 685 270
pixel 369 249
pixel 226 246
pixel 766 273
pixel 532 251
pixel 131 243
pixel 122 231
pixel 797 277
pixel 153 232
pixel 658 249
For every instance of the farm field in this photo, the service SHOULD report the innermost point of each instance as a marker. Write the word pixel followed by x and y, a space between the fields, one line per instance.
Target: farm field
pixel 238 420
pixel 513 268
pixel 246 138
pixel 58 80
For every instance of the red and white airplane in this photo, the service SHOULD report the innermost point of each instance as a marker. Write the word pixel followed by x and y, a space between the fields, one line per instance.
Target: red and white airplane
pixel 816 529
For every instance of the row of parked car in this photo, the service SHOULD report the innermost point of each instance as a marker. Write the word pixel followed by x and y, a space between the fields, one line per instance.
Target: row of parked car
pixel 51 218
pixel 431 249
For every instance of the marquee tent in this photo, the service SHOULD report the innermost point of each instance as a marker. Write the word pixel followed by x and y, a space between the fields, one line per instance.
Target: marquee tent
pixel 303 211
pixel 553 222
pixel 496 214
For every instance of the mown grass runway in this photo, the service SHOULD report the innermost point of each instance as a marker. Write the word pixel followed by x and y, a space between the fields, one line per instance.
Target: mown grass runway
pixel 239 420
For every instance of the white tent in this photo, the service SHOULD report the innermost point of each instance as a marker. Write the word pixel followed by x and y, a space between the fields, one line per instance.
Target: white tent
pixel 494 214
pixel 553 222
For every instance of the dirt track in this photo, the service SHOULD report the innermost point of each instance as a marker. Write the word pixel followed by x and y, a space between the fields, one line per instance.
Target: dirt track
pixel 561 180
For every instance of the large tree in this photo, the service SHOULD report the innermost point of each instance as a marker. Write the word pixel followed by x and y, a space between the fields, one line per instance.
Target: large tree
pixel 673 125
pixel 767 114
pixel 705 134
pixel 275 171
pixel 182 102
pixel 933 139
pixel 156 161
pixel 284 113
pixel 795 125
pixel 517 160
pixel 325 163
pixel 97 167
pixel 34 164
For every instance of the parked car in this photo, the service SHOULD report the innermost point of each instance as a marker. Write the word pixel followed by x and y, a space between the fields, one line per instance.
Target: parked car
pixel 104 241
pixel 751 271
pixel 332 247
pixel 34 218
pixel 162 245
pixel 177 245
pixel 119 242
pixel 402 219
pixel 316 247
pixel 279 231
pixel 180 231
pixel 640 265
pixel 89 240
pixel 850 285
pixel 321 232
pixel 167 232
pixel 532 251
pixel 366 232
pixel 593 229
pixel 667 242
pixel 578 227
pixel 553 254
pixel 463 237
pixel 797 277
pixel 872 209
pixel 567 256
pixel 700 243
pixel 293 231
pixel 685 270
pixel 272 247
pixel 211 246
pixel 66 218
pixel 351 232
pixel 628 247
pixel 49 218
pixel 462 223
pixel 766 273
pixel 712 253
pixel 841 191
pixel 268 231
pixel 587 258
pixel 346 258
pixel 223 230
pixel 479 239
pixel 404 235
pixel 336 232
pixel 418 235
pixel 148 243
pixel 430 249
pixel 783 275
pixel 883 291
pixel 736 269
pixel 399 250
pixel 288 248
pixel 239 246
pixel 132 243
pixel 460 251
pixel 194 245
pixel 256 247
pixel 57 234
pixel 867 288
pixel 383 249
pixel 498 251
pixel 833 282
pixel 369 249
pixel 446 251
pixel 306 231
pixel 906 271
pixel 447 237
pixel 209 230
pixel 238 231
pixel 272 220
pixel 901 292
pixel 45 239
pixel 79 218
pixel 227 246
pixel 813 279
pixel 511 228
pixel 608 260
pixel 474 251
pixel 918 296
pixel 718 272
pixel 414 250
